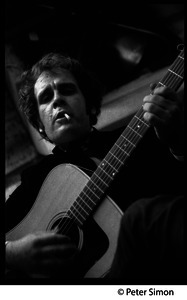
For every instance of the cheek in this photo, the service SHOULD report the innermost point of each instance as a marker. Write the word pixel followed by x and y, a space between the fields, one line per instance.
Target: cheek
pixel 45 117
pixel 82 116
pixel 80 108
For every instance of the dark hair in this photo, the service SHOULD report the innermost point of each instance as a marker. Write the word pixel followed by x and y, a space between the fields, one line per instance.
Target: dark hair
pixel 89 86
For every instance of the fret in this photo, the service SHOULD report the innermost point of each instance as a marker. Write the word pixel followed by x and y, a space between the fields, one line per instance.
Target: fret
pixel 90 192
pixel 169 83
pixel 95 186
pixel 172 81
pixel 75 217
pixel 111 165
pixel 121 150
pixel 85 202
pixel 161 84
pixel 91 201
pixel 77 203
pixel 85 193
pixel 121 162
pixel 134 131
pixel 128 141
pixel 175 73
pixel 110 168
pixel 142 121
pixel 174 76
pixel 178 70
pixel 95 174
pixel 109 172
pixel 103 170
pixel 77 213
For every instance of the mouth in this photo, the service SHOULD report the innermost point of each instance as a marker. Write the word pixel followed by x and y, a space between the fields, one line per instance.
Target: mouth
pixel 62 116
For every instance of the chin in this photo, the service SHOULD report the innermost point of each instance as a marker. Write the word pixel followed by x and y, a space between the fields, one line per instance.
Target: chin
pixel 64 139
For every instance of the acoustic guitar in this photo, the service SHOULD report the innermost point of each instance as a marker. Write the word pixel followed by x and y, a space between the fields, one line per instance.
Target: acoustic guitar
pixel 69 202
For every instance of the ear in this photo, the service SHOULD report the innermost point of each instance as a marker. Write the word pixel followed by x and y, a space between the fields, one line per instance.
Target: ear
pixel 93 116
pixel 41 127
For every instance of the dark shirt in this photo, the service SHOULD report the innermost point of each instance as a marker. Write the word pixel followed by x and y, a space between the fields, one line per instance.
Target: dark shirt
pixel 150 170
pixel 151 243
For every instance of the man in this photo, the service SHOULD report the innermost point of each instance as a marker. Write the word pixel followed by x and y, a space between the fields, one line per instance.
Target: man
pixel 62 102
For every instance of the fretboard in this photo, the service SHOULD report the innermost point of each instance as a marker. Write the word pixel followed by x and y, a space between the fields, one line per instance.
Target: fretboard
pixel 107 170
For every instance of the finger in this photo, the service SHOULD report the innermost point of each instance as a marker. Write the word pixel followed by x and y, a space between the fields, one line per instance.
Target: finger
pixel 166 92
pixel 57 251
pixel 153 119
pixel 156 110
pixel 160 101
pixel 52 238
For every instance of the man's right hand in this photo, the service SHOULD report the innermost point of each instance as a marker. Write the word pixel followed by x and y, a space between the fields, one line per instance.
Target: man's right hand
pixel 42 254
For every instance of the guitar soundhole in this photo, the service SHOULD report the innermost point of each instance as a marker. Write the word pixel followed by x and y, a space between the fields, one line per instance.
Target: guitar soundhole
pixel 62 224
pixel 91 240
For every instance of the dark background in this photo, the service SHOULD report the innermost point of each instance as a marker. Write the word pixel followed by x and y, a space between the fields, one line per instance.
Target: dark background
pixel 94 34
pixel 117 42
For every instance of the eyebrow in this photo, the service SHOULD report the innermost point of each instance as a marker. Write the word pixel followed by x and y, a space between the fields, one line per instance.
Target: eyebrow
pixel 66 84
pixel 58 85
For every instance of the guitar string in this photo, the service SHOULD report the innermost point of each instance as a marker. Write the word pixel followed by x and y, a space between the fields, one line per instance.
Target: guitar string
pixel 139 132
pixel 77 211
pixel 77 214
pixel 112 163
pixel 175 81
pixel 87 195
pixel 98 174
pixel 143 112
pixel 83 203
pixel 178 69
pixel 170 79
pixel 175 67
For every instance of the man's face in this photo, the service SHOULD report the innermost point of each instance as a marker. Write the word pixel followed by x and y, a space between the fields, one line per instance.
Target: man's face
pixel 61 106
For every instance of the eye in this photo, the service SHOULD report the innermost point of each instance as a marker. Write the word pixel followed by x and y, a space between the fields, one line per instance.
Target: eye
pixel 67 89
pixel 46 96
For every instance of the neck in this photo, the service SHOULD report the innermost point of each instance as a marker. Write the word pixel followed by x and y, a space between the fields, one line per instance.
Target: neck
pixel 81 144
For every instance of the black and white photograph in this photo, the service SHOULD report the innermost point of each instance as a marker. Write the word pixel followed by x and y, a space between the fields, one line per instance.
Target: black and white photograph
pixel 94 146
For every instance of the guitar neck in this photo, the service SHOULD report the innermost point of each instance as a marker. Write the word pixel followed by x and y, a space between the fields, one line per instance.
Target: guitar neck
pixel 121 151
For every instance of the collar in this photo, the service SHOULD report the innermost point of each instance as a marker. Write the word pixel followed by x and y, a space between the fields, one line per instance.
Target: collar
pixel 83 147
pixel 97 144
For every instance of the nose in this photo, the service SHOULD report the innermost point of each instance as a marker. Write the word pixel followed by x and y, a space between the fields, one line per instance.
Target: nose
pixel 58 99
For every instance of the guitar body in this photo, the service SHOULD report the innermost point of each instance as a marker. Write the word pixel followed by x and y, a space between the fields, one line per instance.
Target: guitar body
pixel 57 194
